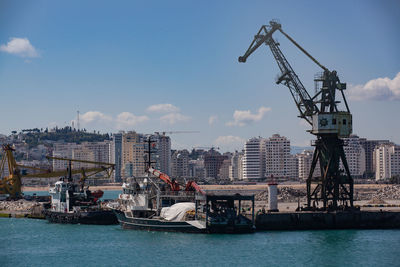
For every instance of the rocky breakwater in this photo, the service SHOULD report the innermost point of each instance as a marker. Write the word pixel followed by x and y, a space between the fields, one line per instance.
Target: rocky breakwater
pixel 285 194
pixel 21 208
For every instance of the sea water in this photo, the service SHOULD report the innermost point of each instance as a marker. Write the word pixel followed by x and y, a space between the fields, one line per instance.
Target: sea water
pixel 29 242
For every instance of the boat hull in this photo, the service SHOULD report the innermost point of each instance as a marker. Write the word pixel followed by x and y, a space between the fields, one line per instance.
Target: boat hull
pixel 155 224
pixel 100 217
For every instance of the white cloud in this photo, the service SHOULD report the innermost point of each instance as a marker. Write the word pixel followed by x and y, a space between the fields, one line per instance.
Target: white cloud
pixel 229 140
pixel 127 119
pixel 245 117
pixel 162 108
pixel 19 46
pixel 376 89
pixel 173 118
pixel 213 119
pixel 122 121
pixel 94 116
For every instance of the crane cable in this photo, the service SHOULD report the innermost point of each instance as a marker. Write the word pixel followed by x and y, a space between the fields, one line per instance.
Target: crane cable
pixel 303 50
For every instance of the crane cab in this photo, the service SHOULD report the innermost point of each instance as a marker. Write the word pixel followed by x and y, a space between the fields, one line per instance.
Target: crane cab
pixel 339 123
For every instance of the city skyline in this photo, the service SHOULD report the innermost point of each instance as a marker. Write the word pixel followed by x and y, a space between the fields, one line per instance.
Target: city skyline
pixel 161 67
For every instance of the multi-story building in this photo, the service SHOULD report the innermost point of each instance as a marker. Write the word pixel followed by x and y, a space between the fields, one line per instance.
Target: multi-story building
pixel 387 160
pixel 240 166
pixel 369 147
pixel 355 156
pixel 82 154
pixel 101 150
pixel 88 151
pixel 196 169
pixel 133 154
pixel 278 161
pixel 304 161
pixel 235 168
pixel 116 156
pixel 180 164
pixel 293 166
pixel 254 159
pixel 62 150
pixel 212 163
pixel 223 173
pixel 163 153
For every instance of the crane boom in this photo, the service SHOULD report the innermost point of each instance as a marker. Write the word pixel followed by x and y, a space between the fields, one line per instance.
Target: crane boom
pixel 174 185
pixel 301 97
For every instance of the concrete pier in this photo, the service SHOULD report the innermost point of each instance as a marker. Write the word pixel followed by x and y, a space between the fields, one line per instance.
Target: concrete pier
pixel 328 220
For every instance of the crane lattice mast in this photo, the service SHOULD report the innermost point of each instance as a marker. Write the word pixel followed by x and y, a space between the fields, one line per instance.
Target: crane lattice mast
pixel 334 187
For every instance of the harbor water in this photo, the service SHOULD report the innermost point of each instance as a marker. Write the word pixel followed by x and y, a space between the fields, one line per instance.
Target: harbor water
pixel 28 242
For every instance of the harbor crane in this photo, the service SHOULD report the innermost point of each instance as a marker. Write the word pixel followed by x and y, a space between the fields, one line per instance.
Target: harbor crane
pixel 11 184
pixel 334 188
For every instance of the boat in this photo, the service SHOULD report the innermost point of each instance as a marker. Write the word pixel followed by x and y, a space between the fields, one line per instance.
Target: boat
pixel 144 206
pixel 156 202
pixel 72 205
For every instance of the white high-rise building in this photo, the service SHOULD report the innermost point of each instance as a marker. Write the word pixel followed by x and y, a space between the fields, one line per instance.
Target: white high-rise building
pixel 387 161
pixel 278 161
pixel 253 159
pixel 355 156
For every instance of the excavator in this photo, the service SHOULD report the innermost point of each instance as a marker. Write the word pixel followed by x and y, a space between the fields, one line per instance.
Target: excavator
pixel 11 184
pixel 174 185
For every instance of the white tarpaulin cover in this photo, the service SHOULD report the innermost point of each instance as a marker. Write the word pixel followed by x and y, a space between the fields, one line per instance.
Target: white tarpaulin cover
pixel 177 211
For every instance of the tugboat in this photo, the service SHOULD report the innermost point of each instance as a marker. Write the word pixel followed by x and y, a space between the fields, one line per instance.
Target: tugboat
pixel 71 204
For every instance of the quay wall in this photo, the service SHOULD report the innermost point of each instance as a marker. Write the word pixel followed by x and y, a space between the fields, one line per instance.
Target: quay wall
pixel 328 220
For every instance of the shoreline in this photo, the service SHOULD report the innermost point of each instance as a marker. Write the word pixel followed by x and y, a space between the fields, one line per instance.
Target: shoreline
pixel 93 188
pixel 216 187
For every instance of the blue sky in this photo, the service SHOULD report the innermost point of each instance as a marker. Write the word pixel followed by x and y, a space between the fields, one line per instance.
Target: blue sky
pixel 172 65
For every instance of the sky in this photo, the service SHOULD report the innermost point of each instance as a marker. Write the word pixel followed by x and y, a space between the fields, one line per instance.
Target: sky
pixel 172 66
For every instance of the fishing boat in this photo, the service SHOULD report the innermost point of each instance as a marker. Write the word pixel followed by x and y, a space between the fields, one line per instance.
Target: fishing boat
pixel 158 203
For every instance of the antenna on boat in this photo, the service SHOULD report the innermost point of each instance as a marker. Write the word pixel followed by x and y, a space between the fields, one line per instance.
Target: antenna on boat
pixel 148 150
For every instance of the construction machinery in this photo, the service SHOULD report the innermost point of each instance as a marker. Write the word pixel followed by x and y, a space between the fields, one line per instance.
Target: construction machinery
pixel 11 184
pixel 108 168
pixel 173 184
pixel 334 188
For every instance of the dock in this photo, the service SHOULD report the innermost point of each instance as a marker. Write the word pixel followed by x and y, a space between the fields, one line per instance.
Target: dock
pixel 328 220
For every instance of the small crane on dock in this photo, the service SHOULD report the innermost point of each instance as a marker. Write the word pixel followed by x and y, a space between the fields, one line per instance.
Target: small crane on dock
pixel 11 184
pixel 329 124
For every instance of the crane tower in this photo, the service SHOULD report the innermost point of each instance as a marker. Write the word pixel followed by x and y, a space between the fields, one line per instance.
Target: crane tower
pixel 334 188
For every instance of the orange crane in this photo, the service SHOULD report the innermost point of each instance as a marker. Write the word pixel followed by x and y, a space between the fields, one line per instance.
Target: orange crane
pixel 11 184
pixel 190 186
